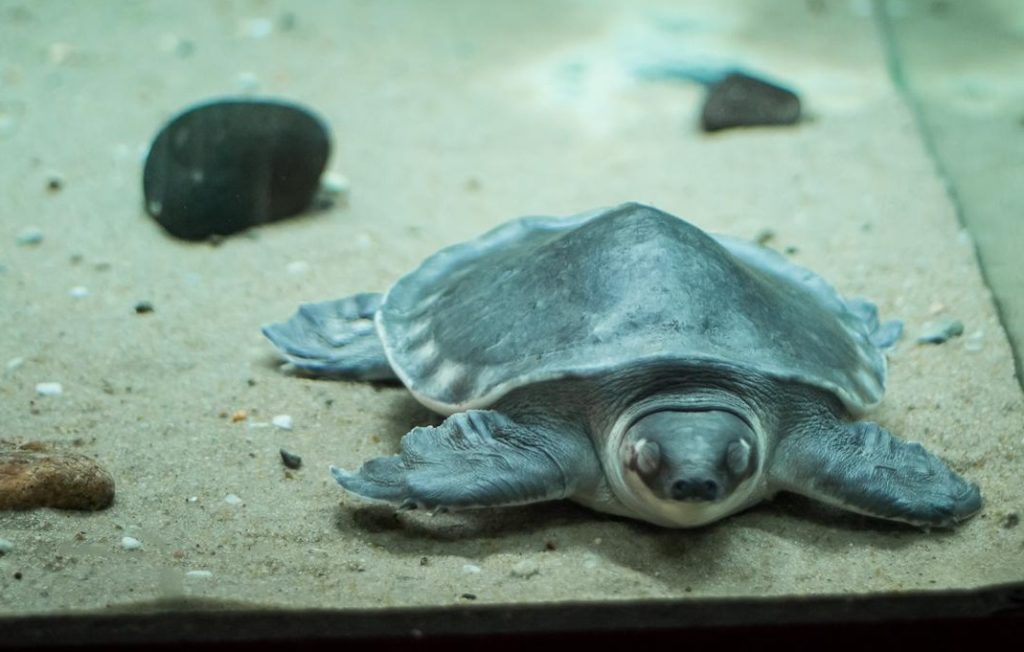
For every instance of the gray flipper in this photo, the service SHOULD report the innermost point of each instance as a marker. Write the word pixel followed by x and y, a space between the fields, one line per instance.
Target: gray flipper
pixel 882 334
pixel 863 468
pixel 478 458
pixel 335 338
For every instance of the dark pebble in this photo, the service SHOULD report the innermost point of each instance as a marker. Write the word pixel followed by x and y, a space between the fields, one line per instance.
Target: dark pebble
pixel 1011 520
pixel 143 307
pixel 291 460
pixel 740 100
pixel 221 167
pixel 468 596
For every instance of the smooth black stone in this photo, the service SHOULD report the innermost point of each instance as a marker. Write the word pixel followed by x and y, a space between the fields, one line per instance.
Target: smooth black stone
pixel 739 100
pixel 223 166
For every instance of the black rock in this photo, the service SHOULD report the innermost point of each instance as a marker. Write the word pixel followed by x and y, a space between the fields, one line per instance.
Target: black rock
pixel 291 460
pixel 739 100
pixel 221 167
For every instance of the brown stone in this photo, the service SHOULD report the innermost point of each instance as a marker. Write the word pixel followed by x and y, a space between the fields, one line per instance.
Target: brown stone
pixel 34 475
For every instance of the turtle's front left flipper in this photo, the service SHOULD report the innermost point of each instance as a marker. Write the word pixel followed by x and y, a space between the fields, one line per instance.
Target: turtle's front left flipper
pixel 863 468
pixel 478 458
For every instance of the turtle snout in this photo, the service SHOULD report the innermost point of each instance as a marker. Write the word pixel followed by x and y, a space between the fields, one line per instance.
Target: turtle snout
pixel 694 489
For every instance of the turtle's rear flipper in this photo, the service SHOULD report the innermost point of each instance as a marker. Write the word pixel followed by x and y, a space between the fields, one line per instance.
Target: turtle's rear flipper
pixel 334 338
pixel 863 468
pixel 478 458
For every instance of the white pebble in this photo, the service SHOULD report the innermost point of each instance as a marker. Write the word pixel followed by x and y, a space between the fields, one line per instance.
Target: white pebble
pixel 232 499
pixel 30 235
pixel 525 569
pixel 49 389
pixel 363 241
pixel 472 569
pixel 199 574
pixel 258 27
pixel 297 267
pixel 79 292
pixel 282 421
pixel 131 543
pixel 591 561
pixel 974 342
pixel 192 499
pixel 5 546
pixel 940 330
pixel 335 183
pixel 248 82
pixel 14 363
pixel 10 117
pixel 60 52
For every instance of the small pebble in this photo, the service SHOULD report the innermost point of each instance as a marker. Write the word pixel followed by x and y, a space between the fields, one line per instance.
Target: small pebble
pixel 282 421
pixel 192 499
pixel 258 28
pixel 940 330
pixel 29 236
pixel 468 596
pixel 297 267
pixel 11 114
pixel 54 183
pixel 290 460
pixel 60 52
pixel 14 363
pixel 49 389
pixel 79 292
pixel 232 499
pixel 143 307
pixel 5 547
pixel 764 236
pixel 1011 520
pixel 248 82
pixel 525 569
pixel 974 343
pixel 335 183
pixel 472 569
pixel 199 574
pixel 363 241
pixel 131 543
pixel 239 415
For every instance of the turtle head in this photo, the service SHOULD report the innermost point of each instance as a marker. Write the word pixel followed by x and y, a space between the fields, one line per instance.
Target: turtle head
pixel 690 462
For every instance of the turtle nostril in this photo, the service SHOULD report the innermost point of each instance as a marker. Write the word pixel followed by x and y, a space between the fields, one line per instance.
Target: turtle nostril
pixel 695 490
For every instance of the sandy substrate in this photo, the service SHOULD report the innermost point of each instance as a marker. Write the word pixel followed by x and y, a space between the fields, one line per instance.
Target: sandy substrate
pixel 447 121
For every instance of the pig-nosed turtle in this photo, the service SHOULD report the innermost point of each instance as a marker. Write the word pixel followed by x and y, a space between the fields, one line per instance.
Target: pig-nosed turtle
pixel 626 360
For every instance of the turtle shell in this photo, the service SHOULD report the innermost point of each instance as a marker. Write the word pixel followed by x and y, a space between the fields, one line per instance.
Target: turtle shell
pixel 539 299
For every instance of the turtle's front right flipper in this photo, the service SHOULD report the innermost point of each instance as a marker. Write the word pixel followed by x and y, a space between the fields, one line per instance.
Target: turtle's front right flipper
pixel 479 458
pixel 334 338
pixel 863 468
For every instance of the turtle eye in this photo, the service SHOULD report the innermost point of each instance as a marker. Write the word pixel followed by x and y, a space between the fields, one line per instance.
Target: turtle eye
pixel 646 457
pixel 737 457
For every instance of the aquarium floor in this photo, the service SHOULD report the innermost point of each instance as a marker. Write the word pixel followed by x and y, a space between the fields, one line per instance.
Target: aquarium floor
pixel 447 120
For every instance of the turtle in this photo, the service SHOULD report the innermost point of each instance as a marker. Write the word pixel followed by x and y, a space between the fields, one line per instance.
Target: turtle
pixel 626 360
